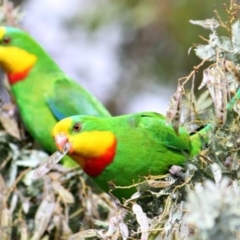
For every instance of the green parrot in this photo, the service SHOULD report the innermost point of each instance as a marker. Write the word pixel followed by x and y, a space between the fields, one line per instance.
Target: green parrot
pixel 121 149
pixel 43 92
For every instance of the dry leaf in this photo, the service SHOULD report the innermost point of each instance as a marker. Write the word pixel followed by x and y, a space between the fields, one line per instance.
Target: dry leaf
pixel 142 220
pixel 64 194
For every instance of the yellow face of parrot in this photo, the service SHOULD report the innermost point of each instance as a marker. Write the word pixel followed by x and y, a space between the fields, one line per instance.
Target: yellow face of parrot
pixel 93 150
pixel 15 61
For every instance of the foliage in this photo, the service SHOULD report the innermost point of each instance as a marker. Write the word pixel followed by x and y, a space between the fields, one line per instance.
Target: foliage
pixel 200 201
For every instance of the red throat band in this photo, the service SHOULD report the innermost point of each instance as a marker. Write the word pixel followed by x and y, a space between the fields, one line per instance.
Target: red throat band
pixel 94 167
pixel 16 77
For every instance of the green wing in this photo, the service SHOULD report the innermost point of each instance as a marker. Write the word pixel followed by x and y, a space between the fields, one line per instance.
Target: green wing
pixel 67 98
pixel 164 133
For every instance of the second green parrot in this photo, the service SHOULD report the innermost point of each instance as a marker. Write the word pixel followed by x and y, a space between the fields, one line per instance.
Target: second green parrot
pixel 122 149
pixel 42 91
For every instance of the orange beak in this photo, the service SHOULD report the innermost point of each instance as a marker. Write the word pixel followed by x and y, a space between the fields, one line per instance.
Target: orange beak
pixel 60 140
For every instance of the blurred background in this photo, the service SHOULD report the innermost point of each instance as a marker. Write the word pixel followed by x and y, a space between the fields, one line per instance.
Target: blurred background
pixel 128 53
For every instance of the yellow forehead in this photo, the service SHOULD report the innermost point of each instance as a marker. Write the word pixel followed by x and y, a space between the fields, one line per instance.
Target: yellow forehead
pixel 66 123
pixel 62 126
pixel 2 32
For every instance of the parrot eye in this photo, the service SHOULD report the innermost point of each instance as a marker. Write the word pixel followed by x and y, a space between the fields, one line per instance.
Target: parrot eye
pixel 6 40
pixel 77 127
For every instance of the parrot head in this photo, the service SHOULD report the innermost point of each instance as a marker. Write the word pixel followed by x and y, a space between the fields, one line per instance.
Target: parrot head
pixel 92 145
pixel 18 53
